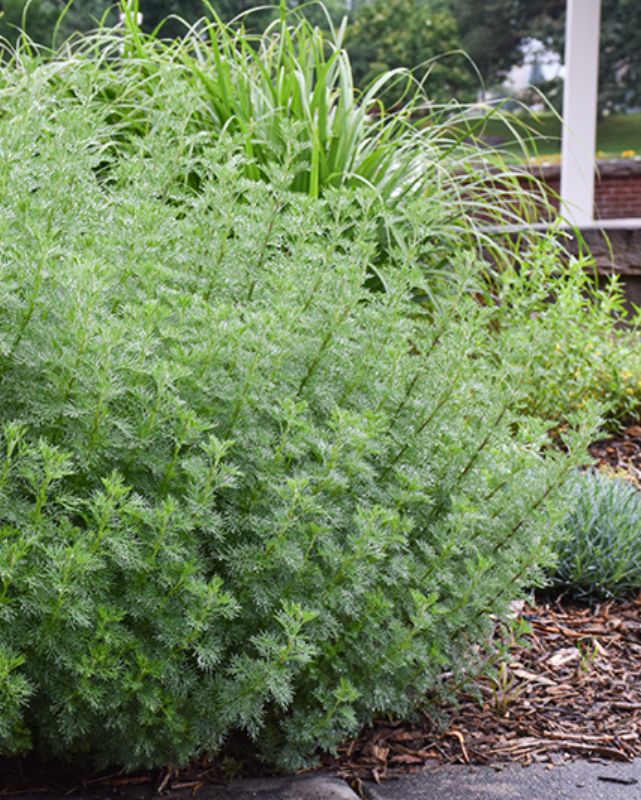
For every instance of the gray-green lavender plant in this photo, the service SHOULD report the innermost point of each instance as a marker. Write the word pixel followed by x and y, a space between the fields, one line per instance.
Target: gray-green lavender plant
pixel 598 542
pixel 239 490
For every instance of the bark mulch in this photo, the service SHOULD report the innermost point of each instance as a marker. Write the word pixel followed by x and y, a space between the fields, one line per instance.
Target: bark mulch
pixel 575 691
pixel 620 455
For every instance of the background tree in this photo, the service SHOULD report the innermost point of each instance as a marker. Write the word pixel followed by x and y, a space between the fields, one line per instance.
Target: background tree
pixel 156 11
pixel 407 33
pixel 620 58
pixel 492 33
pixel 417 34
pixel 39 18
pixel 41 15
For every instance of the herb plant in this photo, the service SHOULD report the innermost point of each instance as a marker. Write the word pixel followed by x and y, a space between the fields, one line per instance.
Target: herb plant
pixel 587 347
pixel 599 554
pixel 248 480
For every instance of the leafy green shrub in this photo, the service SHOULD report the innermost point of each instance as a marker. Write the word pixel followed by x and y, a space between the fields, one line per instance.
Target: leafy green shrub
pixel 599 545
pixel 566 334
pixel 239 490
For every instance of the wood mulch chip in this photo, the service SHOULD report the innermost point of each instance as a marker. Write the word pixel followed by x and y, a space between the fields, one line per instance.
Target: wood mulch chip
pixel 574 691
pixel 620 455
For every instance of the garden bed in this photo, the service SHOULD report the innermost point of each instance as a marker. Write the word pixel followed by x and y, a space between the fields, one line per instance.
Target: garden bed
pixel 620 454
pixel 573 691
pixel 248 482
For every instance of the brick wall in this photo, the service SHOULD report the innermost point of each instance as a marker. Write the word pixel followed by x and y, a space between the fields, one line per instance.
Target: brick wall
pixel 617 188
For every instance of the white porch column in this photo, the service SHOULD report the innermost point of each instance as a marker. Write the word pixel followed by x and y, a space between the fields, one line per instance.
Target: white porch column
pixel 580 110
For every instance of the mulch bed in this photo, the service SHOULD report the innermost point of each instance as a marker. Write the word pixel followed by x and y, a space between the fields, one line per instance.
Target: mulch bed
pixel 575 691
pixel 620 455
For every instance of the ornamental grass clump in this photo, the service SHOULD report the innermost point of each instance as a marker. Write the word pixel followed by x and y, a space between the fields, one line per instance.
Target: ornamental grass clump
pixel 599 541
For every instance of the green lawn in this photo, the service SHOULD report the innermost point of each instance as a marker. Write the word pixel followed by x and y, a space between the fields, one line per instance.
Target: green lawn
pixel 616 135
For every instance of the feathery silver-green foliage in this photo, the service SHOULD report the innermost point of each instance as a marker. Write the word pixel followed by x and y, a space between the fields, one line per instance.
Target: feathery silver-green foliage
pixel 599 542
pixel 294 84
pixel 239 489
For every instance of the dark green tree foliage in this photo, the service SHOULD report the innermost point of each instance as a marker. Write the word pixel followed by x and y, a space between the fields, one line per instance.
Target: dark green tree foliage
pixel 620 69
pixel 415 34
pixel 156 12
pixel 39 18
pixel 238 489
pixel 492 33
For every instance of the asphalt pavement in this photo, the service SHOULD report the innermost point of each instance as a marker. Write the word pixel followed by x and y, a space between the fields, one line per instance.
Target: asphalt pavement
pixel 580 780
